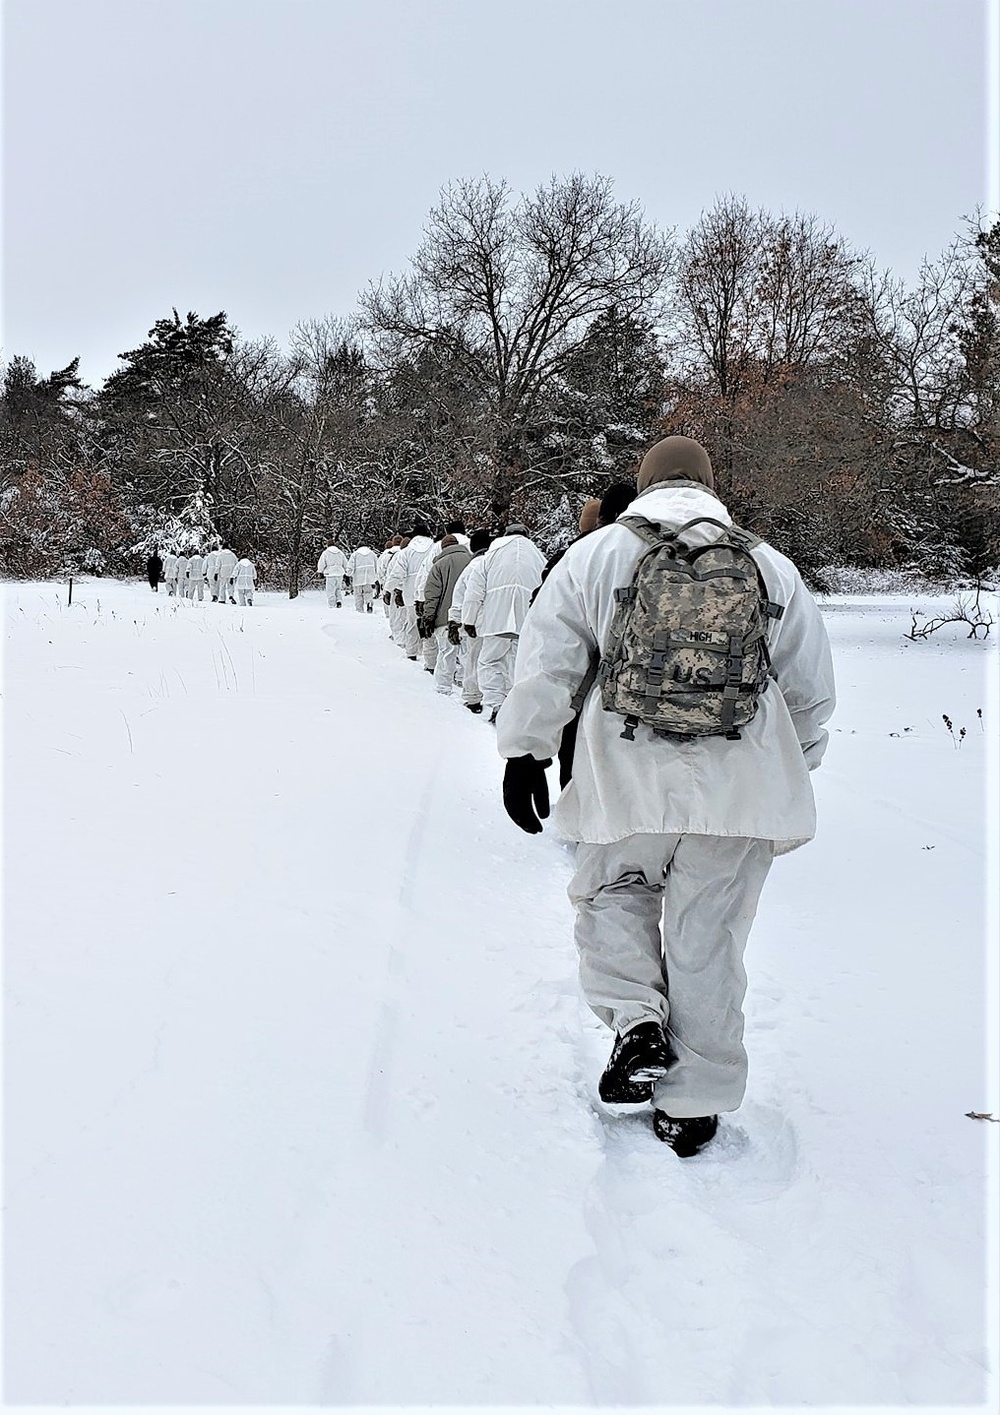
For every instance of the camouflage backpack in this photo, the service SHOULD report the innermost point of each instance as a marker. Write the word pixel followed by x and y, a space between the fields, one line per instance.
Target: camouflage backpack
pixel 687 655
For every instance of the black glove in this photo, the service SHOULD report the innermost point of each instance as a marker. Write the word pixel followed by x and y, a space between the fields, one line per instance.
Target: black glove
pixel 470 629
pixel 453 635
pixel 526 792
pixel 399 599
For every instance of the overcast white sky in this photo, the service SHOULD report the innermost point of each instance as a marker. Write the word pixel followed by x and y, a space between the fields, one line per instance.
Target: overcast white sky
pixel 270 157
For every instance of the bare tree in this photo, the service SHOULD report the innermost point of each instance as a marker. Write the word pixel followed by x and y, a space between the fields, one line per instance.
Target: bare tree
pixel 939 353
pixel 770 350
pixel 318 415
pixel 508 289
pixel 755 296
pixel 713 308
pixel 917 332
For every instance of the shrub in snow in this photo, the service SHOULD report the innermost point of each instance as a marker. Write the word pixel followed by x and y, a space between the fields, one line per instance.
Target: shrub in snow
pixel 92 562
pixel 182 533
pixel 59 520
pixel 855 579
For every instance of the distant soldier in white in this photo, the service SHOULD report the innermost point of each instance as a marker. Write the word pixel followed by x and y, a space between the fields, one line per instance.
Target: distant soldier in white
pixel 170 572
pixel 397 613
pixel 243 581
pixel 212 573
pixel 362 571
pixel 401 584
pixel 443 576
pixel 382 570
pixel 333 565
pixel 227 564
pixel 182 576
pixel 196 576
pixel 467 643
pixel 498 596
pixel 429 646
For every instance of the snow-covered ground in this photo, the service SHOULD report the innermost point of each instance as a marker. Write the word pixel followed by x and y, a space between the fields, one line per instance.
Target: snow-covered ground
pixel 300 1095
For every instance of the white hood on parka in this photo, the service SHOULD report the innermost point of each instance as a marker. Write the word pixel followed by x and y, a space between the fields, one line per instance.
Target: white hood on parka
pixel 499 588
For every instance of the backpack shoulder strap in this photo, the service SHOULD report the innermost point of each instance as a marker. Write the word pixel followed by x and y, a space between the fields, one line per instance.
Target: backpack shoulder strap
pixel 586 683
pixel 654 534
pixel 745 538
pixel 648 531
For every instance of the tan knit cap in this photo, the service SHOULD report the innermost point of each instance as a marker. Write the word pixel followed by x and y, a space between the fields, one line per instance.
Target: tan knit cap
pixel 676 458
pixel 589 515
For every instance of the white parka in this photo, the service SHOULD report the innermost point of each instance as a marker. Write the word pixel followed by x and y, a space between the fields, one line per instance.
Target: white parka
pixel 500 585
pixel 226 566
pixel 211 565
pixel 333 561
pixel 362 567
pixel 245 575
pixel 420 587
pixel 196 568
pixel 384 561
pixel 757 787
pixel 455 613
pixel 170 567
pixel 406 566
pixel 420 583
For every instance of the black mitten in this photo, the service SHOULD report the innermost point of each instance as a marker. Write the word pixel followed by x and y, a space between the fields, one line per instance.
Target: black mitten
pixel 526 792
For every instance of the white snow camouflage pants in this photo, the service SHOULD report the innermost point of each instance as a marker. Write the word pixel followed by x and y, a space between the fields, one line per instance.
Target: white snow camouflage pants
pixel 334 590
pixel 397 621
pixel 409 639
pixel 446 666
pixel 470 669
pixel 429 649
pixel 363 597
pixel 661 925
pixel 496 668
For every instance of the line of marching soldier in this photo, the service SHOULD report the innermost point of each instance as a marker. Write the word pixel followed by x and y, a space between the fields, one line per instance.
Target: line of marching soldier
pixel 227 578
pixel 357 572
pixel 457 605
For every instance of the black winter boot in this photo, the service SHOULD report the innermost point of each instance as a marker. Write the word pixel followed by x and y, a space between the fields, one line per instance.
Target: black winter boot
pixel 640 1056
pixel 686 1136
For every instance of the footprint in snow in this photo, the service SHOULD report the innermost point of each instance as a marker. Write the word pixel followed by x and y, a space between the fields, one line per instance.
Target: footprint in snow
pixel 754 1156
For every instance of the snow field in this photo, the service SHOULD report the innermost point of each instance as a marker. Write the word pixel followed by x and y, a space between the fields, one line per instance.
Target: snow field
pixel 301 1097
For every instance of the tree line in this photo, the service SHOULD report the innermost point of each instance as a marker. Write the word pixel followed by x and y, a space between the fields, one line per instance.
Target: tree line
pixel 533 350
